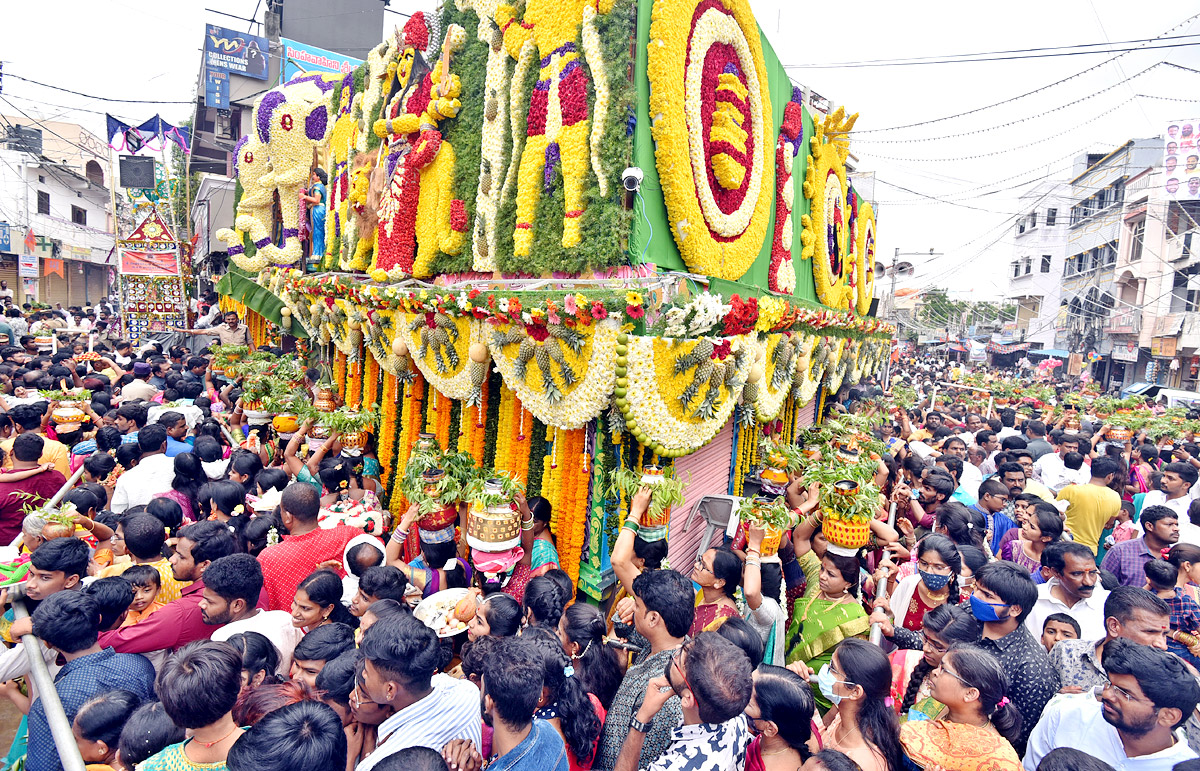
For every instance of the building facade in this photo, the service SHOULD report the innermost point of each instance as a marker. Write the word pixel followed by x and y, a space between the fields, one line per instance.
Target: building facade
pixel 53 181
pixel 1088 298
pixel 1035 273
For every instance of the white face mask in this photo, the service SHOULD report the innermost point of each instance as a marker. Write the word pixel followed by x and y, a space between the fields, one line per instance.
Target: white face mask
pixel 215 469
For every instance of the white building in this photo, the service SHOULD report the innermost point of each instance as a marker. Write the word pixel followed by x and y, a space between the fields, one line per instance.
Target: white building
pixel 1155 328
pixel 1035 274
pixel 1098 194
pixel 67 205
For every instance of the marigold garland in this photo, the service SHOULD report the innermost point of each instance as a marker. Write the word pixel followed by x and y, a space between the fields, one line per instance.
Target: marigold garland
pixel 339 373
pixel 370 381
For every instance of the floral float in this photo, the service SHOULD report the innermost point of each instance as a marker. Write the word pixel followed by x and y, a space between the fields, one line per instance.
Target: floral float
pixel 825 227
pixel 709 96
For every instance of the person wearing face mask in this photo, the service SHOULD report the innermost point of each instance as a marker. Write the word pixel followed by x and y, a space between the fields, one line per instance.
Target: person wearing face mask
pixel 829 611
pixel 856 681
pixel 912 683
pixel 1004 595
pixel 936 581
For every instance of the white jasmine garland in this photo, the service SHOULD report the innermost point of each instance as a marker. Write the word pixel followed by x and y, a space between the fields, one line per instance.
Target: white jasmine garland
pixel 581 402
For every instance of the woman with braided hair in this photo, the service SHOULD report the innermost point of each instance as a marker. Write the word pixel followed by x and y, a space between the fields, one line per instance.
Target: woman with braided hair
pixel 980 724
pixel 945 626
pixel 576 714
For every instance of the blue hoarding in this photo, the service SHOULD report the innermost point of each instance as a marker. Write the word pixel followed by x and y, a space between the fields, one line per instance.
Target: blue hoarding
pixel 239 53
pixel 301 58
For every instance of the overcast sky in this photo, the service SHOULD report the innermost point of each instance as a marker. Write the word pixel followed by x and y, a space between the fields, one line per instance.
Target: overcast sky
pixel 132 50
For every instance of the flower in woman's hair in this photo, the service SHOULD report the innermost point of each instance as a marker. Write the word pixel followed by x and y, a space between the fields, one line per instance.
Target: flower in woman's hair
pixel 343 484
pixel 237 510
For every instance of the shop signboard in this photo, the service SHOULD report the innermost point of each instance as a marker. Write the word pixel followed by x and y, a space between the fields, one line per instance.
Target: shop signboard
pixel 237 53
pixel 1163 346
pixel 1125 351
pixel 28 267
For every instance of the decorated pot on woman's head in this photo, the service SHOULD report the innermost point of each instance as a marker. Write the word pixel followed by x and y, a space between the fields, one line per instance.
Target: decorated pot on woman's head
pixel 847 449
pixel 654 526
pixel 427 441
pixel 285 424
pixel 1119 434
pixel 844 534
pixel 325 401
pixel 496 527
pixel 772 532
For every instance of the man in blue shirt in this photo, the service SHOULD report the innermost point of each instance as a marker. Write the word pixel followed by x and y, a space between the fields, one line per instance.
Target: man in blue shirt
pixel 511 686
pixel 69 622
pixel 993 497
pixel 176 425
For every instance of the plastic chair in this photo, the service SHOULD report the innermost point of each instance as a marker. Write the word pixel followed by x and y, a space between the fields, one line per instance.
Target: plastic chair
pixel 717 511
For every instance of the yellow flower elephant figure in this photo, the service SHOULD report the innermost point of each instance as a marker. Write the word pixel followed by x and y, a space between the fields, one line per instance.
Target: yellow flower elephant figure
pixel 418 215
pixel 291 121
pixel 557 123
pixel 254 207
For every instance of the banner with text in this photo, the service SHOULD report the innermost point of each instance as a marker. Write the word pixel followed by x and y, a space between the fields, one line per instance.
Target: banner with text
pixel 240 53
pixel 301 58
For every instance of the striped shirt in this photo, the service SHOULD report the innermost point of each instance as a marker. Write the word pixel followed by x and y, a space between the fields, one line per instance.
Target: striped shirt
pixel 449 712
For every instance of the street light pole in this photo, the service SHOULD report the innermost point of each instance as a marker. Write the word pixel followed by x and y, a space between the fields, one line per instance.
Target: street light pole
pixel 891 314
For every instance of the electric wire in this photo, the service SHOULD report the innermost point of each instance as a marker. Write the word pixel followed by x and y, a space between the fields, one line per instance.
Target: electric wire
pixel 1011 99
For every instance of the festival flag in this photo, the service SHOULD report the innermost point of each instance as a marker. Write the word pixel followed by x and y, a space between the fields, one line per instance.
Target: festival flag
pixel 30 241
pixel 52 266
pixel 123 136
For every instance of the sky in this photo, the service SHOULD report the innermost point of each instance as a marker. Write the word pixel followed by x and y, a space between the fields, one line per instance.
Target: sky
pixel 950 185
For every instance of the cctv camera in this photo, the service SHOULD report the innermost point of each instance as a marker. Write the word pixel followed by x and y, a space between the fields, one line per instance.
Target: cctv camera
pixel 631 178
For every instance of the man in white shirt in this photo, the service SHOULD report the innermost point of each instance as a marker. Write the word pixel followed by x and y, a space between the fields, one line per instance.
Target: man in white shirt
pixel 1176 492
pixel 231 588
pixel 1133 725
pixel 430 710
pixel 1073 590
pixel 1050 466
pixel 140 389
pixel 153 474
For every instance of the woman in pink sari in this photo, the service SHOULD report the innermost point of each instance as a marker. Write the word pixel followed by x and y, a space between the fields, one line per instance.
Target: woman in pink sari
pixel 779 716
pixel 1143 462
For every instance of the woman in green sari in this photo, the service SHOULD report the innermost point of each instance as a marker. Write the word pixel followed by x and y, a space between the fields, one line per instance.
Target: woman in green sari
pixel 829 611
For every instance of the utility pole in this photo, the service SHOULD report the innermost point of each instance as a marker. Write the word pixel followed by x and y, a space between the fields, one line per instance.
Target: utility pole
pixel 895 269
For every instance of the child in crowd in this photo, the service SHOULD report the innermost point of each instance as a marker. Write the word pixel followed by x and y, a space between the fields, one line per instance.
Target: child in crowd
pixel 146 582
pixel 1059 626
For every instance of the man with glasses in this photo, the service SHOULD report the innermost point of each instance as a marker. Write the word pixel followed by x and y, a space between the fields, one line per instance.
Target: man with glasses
pixel 1130 613
pixel 1004 595
pixel 1072 589
pixel 712 678
pixel 1132 721
pixel 664 608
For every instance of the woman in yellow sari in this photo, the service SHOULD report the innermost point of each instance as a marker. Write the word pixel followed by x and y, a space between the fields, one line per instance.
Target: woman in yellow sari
pixel 980 722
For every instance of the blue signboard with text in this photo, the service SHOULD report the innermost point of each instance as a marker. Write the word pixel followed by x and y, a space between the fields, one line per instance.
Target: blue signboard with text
pixel 5 238
pixel 301 58
pixel 239 53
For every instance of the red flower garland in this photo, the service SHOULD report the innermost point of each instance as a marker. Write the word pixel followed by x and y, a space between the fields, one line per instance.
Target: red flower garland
pixel 742 316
